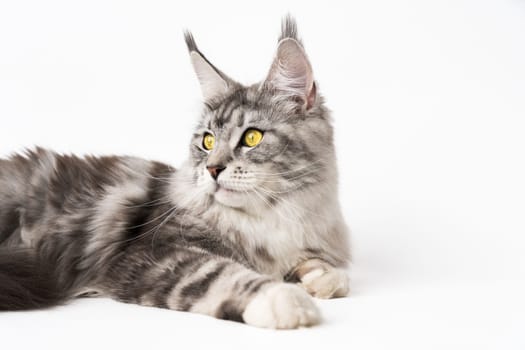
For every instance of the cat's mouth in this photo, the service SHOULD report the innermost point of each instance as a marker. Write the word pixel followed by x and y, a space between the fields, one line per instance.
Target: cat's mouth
pixel 229 190
pixel 230 196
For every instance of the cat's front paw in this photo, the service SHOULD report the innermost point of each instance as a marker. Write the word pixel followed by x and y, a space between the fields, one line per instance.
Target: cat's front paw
pixel 281 306
pixel 326 284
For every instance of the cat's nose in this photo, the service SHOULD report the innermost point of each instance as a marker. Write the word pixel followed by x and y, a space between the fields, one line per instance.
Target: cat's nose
pixel 215 170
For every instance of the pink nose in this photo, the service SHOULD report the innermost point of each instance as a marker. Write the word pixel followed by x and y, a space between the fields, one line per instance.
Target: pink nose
pixel 215 170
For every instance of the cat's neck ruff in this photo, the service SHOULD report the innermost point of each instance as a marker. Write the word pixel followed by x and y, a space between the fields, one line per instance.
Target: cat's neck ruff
pixel 275 237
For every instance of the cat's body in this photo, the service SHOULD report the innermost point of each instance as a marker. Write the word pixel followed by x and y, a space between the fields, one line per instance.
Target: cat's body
pixel 217 236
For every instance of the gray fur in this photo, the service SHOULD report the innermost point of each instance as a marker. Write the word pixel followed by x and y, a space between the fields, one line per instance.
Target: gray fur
pixel 142 232
pixel 289 29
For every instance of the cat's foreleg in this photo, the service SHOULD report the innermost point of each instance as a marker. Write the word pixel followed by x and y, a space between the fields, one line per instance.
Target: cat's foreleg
pixel 221 288
pixel 321 279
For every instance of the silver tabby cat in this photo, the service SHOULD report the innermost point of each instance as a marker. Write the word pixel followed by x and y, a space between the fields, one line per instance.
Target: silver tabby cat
pixel 246 230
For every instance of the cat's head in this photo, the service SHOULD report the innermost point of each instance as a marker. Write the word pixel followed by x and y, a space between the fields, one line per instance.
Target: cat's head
pixel 256 145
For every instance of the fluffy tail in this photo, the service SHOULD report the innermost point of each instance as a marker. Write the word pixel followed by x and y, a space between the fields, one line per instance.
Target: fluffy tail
pixel 27 282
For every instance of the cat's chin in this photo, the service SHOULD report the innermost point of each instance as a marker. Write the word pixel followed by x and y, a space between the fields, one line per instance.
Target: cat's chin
pixel 230 198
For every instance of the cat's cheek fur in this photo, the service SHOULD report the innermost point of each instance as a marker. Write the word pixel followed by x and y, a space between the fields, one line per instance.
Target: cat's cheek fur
pixel 282 306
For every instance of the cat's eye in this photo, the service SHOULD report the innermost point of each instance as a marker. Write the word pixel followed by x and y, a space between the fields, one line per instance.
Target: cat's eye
pixel 252 137
pixel 208 142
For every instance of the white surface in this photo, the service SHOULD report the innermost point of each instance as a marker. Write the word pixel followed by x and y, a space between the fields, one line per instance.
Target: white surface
pixel 429 107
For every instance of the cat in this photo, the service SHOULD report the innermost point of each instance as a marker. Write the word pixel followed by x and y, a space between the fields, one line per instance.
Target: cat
pixel 248 229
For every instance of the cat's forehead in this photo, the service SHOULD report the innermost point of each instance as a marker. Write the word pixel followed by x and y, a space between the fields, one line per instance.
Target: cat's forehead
pixel 238 110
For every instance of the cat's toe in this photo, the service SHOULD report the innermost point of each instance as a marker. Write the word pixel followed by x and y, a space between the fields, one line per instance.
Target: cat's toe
pixel 281 306
pixel 333 283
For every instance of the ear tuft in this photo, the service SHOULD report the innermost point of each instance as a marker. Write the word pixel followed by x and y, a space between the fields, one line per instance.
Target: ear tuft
pixel 213 82
pixel 190 41
pixel 289 29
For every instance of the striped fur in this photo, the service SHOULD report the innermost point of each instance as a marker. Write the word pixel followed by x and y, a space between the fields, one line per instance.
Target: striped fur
pixel 142 232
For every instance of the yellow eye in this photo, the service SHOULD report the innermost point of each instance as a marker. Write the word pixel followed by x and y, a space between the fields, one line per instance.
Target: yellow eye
pixel 252 137
pixel 208 141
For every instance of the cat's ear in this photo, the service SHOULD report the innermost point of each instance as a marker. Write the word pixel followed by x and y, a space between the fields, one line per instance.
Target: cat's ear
pixel 291 74
pixel 213 82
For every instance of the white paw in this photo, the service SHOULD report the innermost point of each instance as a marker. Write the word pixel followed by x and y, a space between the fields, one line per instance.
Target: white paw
pixel 281 306
pixel 333 283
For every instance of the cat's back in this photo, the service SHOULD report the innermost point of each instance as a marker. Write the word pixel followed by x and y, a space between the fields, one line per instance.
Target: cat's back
pixel 65 177
pixel 40 185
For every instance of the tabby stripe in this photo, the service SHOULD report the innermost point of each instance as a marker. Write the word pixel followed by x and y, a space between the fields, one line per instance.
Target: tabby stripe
pixel 229 310
pixel 255 285
pixel 240 120
pixel 225 116
pixel 170 278
pixel 197 289
pixel 227 108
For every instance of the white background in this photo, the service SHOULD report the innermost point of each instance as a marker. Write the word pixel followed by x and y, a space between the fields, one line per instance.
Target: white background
pixel 428 100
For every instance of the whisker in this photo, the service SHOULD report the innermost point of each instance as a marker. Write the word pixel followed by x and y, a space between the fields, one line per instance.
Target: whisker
pixel 144 234
pixel 309 172
pixel 289 203
pixel 292 170
pixel 261 196
pixel 159 201
pixel 147 222
pixel 148 175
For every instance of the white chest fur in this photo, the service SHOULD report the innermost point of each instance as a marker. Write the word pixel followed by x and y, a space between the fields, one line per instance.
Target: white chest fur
pixel 277 240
